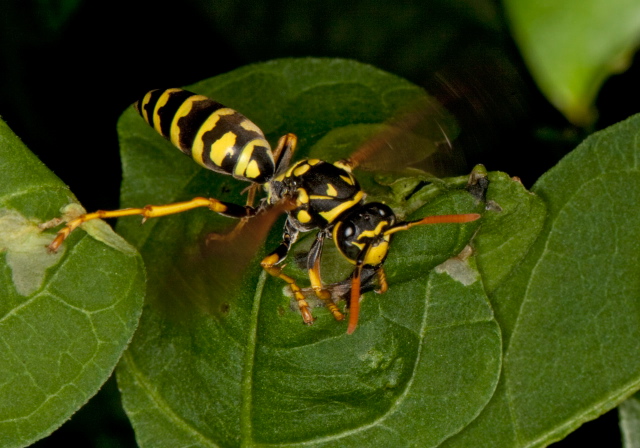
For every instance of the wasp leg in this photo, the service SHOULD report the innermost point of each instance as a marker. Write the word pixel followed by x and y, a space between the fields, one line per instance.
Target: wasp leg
pixel 154 211
pixel 382 281
pixel 276 257
pixel 303 305
pixel 284 151
pixel 313 266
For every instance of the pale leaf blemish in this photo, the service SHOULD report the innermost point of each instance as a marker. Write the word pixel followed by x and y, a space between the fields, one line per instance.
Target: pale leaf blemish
pixel 26 252
pixel 102 232
pixel 458 268
pixel 97 228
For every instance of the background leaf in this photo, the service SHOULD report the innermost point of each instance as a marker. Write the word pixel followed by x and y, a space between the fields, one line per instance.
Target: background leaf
pixel 572 47
pixel 218 364
pixel 65 318
pixel 569 312
pixel 630 421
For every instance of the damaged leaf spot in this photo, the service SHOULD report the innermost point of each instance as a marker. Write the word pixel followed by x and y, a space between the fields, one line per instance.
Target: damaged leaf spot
pixel 26 253
pixel 458 268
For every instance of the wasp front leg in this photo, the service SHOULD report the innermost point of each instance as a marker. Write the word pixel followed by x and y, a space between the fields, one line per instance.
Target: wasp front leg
pixel 270 262
pixel 154 211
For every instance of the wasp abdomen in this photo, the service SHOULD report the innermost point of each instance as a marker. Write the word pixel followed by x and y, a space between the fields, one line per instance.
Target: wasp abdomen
pixel 215 136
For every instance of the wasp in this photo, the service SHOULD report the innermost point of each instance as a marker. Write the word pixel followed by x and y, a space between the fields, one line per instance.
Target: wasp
pixel 323 196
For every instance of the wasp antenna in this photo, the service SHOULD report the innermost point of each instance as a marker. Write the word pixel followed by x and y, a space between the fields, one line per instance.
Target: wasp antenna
pixel 436 219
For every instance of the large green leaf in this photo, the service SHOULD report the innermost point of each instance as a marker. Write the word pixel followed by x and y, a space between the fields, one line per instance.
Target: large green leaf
pixel 222 359
pixel 65 318
pixel 570 313
pixel 572 47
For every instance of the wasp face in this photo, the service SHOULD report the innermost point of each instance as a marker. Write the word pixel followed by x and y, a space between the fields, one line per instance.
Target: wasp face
pixel 361 233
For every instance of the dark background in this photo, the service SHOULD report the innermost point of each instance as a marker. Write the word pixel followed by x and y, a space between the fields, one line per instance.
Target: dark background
pixel 68 68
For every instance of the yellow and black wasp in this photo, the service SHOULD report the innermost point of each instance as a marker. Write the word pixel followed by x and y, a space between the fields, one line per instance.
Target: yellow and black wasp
pixel 319 195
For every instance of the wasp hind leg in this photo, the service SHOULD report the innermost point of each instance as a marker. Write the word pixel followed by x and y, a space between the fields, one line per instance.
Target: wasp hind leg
pixel 154 211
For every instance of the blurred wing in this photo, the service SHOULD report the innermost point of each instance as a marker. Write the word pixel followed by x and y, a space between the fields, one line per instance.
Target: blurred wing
pixel 208 278
pixel 419 138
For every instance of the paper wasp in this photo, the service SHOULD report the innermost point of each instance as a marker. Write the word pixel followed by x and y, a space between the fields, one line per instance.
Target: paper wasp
pixel 323 196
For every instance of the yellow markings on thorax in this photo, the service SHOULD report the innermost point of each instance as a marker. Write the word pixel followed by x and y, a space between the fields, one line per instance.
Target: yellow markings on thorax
pixel 343 166
pixel 332 193
pixel 303 216
pixel 348 179
pixel 331 215
pixel 302 197
pixel 290 170
pixel 300 169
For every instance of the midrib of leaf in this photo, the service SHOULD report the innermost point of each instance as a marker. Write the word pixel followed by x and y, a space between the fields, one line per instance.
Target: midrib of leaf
pixel 161 404
pixel 246 434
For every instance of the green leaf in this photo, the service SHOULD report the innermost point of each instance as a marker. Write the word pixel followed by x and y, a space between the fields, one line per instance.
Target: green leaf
pixel 508 235
pixel 629 412
pixel 571 47
pixel 65 318
pixel 569 312
pixel 222 358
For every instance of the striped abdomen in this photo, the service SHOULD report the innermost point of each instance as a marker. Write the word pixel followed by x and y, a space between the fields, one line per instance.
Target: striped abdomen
pixel 216 137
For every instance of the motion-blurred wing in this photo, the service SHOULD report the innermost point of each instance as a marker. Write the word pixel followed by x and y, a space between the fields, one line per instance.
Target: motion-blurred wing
pixel 419 138
pixel 207 278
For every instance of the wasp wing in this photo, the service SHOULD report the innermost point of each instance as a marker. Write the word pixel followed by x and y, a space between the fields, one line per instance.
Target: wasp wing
pixel 419 138
pixel 209 275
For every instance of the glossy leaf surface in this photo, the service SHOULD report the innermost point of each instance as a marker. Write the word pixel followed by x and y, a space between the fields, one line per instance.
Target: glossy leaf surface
pixel 223 359
pixel 569 312
pixel 65 318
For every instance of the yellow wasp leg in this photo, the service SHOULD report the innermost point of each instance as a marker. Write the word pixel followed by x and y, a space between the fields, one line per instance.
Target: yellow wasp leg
pixel 382 281
pixel 284 151
pixel 153 211
pixel 321 293
pixel 268 264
